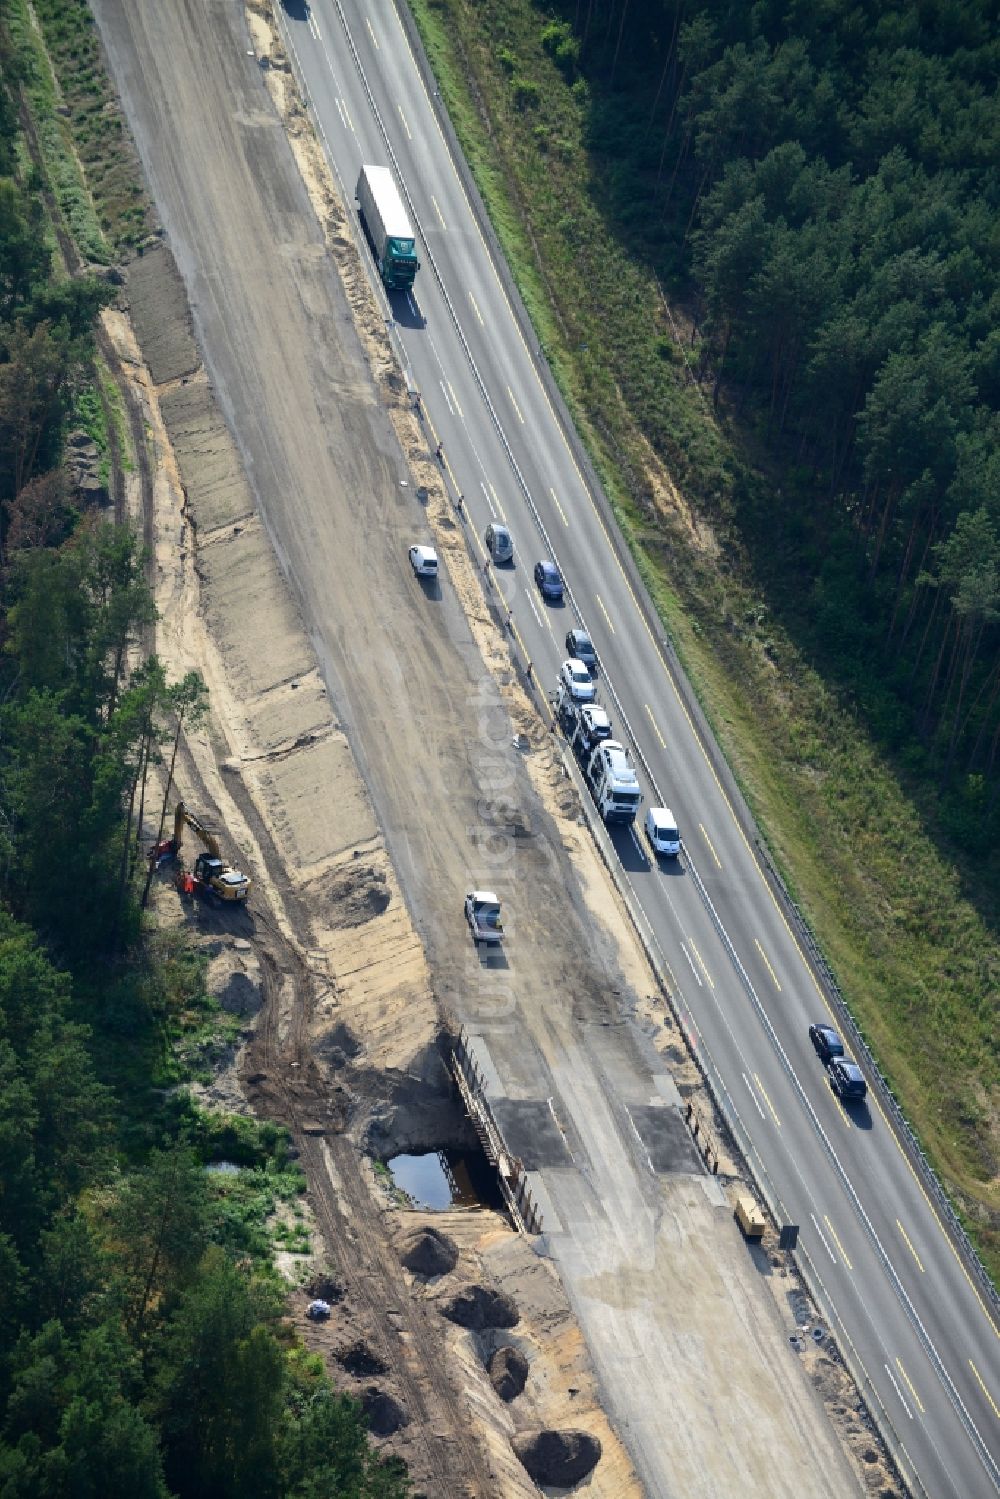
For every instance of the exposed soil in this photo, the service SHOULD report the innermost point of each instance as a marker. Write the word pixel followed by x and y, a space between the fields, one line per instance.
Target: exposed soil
pixel 383 1413
pixel 361 1361
pixel 508 1369
pixel 557 1458
pixel 307 994
pixel 478 1307
pixel 429 1252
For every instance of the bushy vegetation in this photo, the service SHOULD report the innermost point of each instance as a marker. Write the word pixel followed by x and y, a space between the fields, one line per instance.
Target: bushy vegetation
pixel 143 1345
pixel 758 241
pixel 88 159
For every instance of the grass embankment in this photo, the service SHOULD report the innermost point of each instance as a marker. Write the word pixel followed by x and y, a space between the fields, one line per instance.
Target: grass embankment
pixel 917 961
pixel 89 161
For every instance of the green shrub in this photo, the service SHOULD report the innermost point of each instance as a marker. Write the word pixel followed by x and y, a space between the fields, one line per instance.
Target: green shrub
pixel 527 94
pixel 563 47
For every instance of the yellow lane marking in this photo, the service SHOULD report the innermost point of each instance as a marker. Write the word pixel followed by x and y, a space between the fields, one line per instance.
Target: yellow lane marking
pixel 437 210
pixel 555 499
pixel 524 652
pixel 909 1386
pixel 711 846
pixel 476 309
pixel 985 1391
pixel 909 1246
pixel 933 1212
pixel 496 501
pixel 701 963
pixel 763 1094
pixel 607 616
pixel 656 730
pixel 774 976
pixel 833 1235
pixel 480 546
pixel 372 35
pixel 454 400
pixel 516 407
pixel 841 1110
pixel 697 738
pixel 406 127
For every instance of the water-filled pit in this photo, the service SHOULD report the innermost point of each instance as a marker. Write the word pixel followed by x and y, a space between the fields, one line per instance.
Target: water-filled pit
pixel 439 1179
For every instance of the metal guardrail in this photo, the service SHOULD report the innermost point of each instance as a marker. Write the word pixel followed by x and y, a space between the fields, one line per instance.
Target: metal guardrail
pixel 860 1045
pixel 813 1282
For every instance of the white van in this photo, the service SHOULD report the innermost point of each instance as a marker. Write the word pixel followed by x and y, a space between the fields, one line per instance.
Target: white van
pixel 661 830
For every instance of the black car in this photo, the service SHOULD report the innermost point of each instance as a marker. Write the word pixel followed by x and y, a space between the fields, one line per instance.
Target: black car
pixel 827 1043
pixel 580 646
pixel 847 1080
pixel 549 580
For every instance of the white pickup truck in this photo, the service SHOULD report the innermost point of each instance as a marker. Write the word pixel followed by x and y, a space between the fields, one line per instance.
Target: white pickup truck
pixel 482 912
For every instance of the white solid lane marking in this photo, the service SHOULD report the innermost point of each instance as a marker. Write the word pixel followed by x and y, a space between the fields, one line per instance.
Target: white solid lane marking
pixel 691 966
pixel 822 1236
pixel 756 1100
pixel 898 1391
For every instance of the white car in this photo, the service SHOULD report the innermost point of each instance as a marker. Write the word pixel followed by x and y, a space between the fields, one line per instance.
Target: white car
pixel 482 912
pixel 577 681
pixel 661 830
pixel 424 561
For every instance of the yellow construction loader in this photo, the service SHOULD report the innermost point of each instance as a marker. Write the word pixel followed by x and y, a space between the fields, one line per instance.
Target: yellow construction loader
pixel 211 876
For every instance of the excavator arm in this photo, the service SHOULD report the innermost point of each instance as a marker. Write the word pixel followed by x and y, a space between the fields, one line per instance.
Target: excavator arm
pixel 182 816
pixel 217 877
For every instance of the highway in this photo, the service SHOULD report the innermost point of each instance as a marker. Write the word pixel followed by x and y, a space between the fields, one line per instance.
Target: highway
pixel 907 1306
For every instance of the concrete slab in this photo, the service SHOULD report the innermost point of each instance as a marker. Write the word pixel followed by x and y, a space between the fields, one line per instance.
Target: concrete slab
pixel 667 1139
pixel 531 1132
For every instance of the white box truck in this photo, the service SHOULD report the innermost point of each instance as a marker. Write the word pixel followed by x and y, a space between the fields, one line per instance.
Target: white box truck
pixel 389 227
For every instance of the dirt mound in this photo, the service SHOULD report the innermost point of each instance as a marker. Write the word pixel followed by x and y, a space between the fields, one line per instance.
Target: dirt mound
pixel 558 1458
pixel 356 894
pixel 325 1288
pixel 508 1371
pixel 360 1360
pixel 427 1251
pixel 478 1307
pixel 383 1413
pixel 239 995
pixel 339 1046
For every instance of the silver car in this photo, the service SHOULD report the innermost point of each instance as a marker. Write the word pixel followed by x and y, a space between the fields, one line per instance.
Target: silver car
pixel 499 543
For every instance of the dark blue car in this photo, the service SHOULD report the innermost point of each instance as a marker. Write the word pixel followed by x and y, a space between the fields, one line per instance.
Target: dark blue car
pixel 827 1043
pixel 549 580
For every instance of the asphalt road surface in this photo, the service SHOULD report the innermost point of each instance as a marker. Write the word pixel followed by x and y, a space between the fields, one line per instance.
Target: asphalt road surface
pixel 907 1305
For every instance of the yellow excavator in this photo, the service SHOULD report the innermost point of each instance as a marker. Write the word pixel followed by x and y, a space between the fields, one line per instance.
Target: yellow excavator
pixel 211 876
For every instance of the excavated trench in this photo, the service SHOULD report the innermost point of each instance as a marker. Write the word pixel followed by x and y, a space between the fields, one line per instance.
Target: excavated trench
pixel 440 1179
pixel 420 1132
